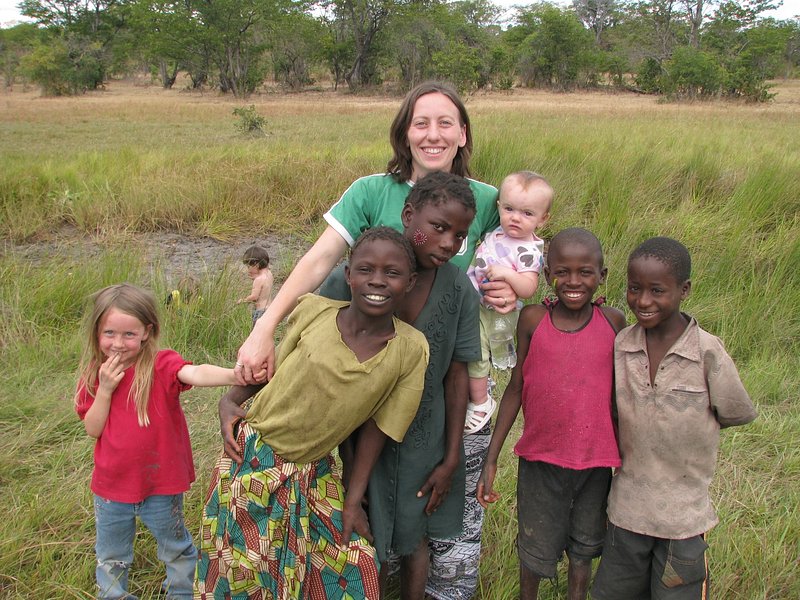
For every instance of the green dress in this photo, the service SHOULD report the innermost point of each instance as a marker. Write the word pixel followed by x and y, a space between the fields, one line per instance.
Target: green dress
pixel 397 517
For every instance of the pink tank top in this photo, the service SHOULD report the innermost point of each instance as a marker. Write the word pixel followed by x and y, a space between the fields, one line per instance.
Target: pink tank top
pixel 566 396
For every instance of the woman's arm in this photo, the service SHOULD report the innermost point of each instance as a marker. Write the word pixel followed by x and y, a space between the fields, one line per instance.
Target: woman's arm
pixel 456 393
pixel 258 351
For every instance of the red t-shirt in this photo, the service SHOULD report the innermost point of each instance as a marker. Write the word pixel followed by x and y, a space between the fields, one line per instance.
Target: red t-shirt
pixel 566 396
pixel 132 462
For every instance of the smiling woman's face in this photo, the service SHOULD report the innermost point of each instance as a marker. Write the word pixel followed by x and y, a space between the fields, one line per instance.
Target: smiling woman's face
pixel 435 135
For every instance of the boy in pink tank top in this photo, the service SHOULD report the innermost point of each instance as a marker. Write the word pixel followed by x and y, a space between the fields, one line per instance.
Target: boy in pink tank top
pixel 563 382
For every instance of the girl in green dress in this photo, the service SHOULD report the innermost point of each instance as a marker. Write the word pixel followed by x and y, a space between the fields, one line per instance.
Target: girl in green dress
pixel 416 490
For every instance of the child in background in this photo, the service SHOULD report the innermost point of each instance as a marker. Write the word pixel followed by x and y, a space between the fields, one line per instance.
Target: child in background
pixel 257 260
pixel 128 398
pixel 676 387
pixel 187 290
pixel 511 253
pixel 277 522
pixel 564 382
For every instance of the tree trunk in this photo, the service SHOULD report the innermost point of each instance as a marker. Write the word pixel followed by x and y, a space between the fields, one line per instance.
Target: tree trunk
pixel 167 78
pixel 695 10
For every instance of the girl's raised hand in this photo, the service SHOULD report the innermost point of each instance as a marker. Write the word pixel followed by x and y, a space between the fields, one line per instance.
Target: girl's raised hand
pixel 110 374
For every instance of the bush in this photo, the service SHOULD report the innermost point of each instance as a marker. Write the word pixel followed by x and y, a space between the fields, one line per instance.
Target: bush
pixel 556 50
pixel 692 73
pixel 459 64
pixel 249 120
pixel 617 66
pixel 746 83
pixel 648 77
pixel 65 66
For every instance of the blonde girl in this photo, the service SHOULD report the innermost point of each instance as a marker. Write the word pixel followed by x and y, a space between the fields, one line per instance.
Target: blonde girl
pixel 128 398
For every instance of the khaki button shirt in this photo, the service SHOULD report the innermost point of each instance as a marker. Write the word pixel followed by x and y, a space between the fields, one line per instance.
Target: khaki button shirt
pixel 669 431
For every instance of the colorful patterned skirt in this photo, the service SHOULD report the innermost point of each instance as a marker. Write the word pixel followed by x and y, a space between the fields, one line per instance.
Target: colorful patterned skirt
pixel 272 529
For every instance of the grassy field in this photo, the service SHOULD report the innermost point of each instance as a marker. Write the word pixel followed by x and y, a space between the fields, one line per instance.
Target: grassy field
pixel 110 166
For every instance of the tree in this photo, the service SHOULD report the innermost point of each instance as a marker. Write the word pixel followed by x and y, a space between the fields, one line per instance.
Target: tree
pixel 363 20
pixel 87 30
pixel 15 43
pixel 791 53
pixel 749 50
pixel 167 33
pixel 694 13
pixel 337 47
pixel 414 37
pixel 295 46
pixel 65 65
pixel 596 15
pixel 237 34
pixel 555 49
pixel 480 13
pixel 666 29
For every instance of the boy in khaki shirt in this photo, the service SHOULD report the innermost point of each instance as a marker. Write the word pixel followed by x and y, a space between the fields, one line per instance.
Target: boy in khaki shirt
pixel 676 387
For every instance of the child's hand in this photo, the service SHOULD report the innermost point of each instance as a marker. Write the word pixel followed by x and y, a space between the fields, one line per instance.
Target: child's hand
pixel 110 374
pixel 230 414
pixel 438 484
pixel 485 492
pixel 354 518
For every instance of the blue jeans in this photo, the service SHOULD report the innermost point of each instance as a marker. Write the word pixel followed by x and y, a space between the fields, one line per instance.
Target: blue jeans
pixel 115 524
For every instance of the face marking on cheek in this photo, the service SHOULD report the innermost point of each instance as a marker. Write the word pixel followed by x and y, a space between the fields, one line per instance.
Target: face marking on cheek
pixel 419 238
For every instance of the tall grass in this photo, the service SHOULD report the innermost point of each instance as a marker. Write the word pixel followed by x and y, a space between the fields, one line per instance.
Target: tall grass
pixel 722 178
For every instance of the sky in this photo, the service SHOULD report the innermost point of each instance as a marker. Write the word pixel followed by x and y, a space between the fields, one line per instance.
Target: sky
pixel 9 13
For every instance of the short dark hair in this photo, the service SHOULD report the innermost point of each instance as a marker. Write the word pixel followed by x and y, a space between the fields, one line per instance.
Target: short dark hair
pixel 390 235
pixel 438 187
pixel 256 256
pixel 668 251
pixel 575 235
pixel 400 165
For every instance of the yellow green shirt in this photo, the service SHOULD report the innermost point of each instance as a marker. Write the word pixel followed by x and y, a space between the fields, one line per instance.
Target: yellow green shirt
pixel 321 392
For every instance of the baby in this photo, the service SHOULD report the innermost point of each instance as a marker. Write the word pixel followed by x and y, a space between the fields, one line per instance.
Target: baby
pixel 511 253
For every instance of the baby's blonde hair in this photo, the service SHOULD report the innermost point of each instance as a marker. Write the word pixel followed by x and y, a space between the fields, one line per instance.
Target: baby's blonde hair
pixel 527 179
pixel 138 303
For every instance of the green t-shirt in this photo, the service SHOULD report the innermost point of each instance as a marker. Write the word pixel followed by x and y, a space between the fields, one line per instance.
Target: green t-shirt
pixel 379 199
pixel 321 392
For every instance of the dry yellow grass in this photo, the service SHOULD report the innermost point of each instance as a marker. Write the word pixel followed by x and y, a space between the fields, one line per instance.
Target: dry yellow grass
pixel 125 99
